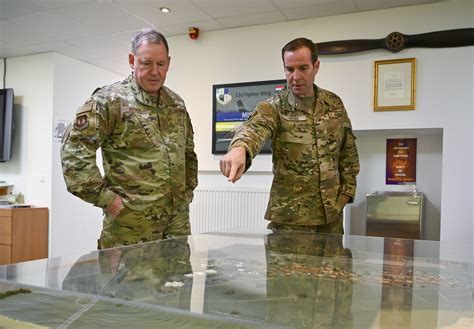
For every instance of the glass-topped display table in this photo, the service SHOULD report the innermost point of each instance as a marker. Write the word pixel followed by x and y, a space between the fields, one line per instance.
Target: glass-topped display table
pixel 247 278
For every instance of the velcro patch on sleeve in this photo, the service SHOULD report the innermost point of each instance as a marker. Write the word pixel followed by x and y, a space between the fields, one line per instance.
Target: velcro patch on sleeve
pixel 87 107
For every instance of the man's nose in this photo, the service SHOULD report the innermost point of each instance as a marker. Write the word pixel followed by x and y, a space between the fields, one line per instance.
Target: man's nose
pixel 296 75
pixel 155 69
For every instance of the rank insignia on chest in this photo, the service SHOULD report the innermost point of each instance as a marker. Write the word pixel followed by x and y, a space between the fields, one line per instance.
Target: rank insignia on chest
pixel 81 122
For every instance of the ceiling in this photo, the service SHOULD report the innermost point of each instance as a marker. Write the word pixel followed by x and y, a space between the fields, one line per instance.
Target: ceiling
pixel 99 31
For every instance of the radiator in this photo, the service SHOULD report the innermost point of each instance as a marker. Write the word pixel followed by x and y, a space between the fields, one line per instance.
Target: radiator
pixel 219 208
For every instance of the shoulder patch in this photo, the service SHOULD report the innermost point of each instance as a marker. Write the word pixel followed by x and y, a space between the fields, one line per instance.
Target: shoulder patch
pixel 82 122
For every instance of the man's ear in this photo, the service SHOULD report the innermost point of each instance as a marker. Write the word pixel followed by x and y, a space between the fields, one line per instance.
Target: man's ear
pixel 131 60
pixel 316 65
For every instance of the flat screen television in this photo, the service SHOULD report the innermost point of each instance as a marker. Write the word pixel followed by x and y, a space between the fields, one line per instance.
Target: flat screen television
pixel 6 123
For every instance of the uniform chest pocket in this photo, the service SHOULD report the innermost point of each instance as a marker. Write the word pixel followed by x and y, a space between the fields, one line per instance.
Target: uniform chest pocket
pixel 295 129
pixel 133 131
pixel 173 127
pixel 290 137
pixel 296 153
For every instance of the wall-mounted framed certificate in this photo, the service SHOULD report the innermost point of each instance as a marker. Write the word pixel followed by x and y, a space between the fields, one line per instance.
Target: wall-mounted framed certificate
pixel 394 84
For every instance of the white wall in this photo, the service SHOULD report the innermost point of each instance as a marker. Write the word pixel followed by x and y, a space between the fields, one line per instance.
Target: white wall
pixel 472 138
pixel 444 85
pixel 75 224
pixel 29 170
pixel 49 87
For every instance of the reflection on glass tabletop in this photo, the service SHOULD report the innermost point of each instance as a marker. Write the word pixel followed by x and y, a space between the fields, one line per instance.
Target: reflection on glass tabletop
pixel 247 278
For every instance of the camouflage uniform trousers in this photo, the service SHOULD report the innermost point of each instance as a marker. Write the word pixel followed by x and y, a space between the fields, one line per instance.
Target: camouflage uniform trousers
pixel 132 272
pixel 133 226
pixel 141 271
pixel 302 291
pixel 333 228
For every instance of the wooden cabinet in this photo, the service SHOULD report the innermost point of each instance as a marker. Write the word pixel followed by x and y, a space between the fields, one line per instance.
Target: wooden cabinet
pixel 23 234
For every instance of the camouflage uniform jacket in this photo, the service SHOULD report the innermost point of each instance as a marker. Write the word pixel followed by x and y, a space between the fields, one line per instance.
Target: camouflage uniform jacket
pixel 314 155
pixel 147 149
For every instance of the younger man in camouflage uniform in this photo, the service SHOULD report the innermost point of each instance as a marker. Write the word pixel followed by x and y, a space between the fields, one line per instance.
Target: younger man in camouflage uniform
pixel 315 160
pixel 146 138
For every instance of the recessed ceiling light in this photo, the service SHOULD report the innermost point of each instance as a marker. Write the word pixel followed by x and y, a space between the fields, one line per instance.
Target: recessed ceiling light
pixel 165 9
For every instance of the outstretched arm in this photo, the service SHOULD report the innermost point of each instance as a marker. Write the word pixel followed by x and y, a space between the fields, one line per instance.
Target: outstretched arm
pixel 248 141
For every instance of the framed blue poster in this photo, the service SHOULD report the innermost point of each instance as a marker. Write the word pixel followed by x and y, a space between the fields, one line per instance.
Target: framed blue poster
pixel 232 104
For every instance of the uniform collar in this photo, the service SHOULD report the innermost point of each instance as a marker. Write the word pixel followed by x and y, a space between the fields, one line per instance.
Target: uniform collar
pixel 296 103
pixel 142 95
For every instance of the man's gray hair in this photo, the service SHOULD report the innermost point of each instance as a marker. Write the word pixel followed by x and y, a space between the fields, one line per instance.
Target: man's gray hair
pixel 149 35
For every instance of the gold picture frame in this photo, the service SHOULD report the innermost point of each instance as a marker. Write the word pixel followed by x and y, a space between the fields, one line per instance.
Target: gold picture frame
pixel 394 84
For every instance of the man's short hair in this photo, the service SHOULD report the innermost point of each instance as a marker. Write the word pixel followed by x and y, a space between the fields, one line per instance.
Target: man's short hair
pixel 301 43
pixel 149 35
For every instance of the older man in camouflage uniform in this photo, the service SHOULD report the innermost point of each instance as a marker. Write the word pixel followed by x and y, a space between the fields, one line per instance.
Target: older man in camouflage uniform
pixel 315 160
pixel 146 138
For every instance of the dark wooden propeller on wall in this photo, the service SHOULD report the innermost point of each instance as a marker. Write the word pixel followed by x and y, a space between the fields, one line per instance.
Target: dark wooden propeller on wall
pixel 397 41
